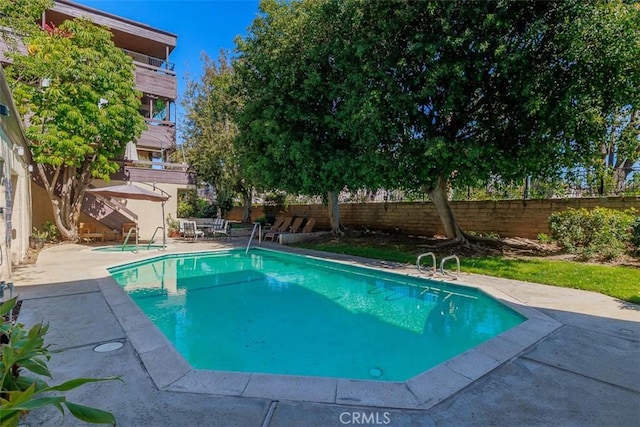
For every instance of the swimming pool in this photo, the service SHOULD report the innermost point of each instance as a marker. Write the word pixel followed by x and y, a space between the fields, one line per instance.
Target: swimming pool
pixel 279 313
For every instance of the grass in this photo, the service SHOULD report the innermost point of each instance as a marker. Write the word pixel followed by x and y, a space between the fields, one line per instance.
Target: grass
pixel 616 281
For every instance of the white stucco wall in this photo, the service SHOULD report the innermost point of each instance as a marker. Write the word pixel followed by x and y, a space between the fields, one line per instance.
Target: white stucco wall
pixel 15 189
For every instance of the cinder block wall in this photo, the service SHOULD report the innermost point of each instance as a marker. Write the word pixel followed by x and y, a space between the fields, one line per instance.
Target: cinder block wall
pixel 508 218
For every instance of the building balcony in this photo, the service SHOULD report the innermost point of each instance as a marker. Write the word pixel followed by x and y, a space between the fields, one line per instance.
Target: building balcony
pixel 159 135
pixel 154 75
pixel 158 172
pixel 156 81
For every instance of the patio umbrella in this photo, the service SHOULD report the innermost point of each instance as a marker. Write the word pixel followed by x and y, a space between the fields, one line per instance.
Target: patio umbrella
pixel 130 191
pixel 131 152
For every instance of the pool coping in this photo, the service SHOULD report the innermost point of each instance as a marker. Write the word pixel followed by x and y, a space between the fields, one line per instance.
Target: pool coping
pixel 170 371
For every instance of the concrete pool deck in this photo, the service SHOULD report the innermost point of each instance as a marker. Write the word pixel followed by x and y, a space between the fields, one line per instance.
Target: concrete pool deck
pixel 576 362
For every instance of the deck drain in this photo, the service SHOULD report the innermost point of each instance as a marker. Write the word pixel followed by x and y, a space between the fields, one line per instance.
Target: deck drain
pixel 375 372
pixel 107 347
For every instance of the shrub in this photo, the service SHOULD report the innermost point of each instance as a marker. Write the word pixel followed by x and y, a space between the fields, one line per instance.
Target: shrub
pixel 544 238
pixel 190 205
pixel 597 233
pixel 53 234
pixel 635 234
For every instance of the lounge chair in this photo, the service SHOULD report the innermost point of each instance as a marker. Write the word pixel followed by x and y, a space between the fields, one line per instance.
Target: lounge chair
pixel 276 225
pixel 297 223
pixel 283 227
pixel 308 227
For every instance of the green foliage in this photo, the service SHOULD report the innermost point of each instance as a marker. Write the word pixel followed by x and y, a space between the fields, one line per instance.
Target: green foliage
pixel 62 83
pixel 294 82
pixel 597 233
pixel 53 234
pixel 544 238
pixel 39 234
pixel 172 224
pixel 483 90
pixel 24 351
pixel 210 130
pixel 21 16
pixel 192 206
pixel 635 234
pixel 274 203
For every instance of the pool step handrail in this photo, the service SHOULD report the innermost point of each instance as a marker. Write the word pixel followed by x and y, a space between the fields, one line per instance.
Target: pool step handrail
pixel 447 258
pixel 126 240
pixel 433 270
pixel 154 235
pixel 258 226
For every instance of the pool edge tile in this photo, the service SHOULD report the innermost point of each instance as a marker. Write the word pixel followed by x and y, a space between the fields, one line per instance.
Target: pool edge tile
pixel 212 382
pixel 377 393
pixel 292 387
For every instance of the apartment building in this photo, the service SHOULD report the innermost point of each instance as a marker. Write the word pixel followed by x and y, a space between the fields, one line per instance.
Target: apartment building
pixel 145 160
pixel 15 186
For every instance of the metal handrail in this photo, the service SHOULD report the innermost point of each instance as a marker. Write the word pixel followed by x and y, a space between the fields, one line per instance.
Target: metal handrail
pixel 433 268
pixel 124 243
pixel 154 235
pixel 443 272
pixel 257 225
pixel 150 60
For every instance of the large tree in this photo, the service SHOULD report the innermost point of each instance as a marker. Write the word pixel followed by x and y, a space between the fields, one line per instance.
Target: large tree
pixel 77 93
pixel 425 95
pixel 463 91
pixel 291 74
pixel 209 130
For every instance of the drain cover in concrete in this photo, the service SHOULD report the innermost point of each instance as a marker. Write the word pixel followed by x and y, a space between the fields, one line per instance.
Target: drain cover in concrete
pixel 106 347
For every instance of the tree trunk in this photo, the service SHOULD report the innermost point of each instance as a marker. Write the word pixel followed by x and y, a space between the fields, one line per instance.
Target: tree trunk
pixel 334 212
pixel 246 206
pixel 438 196
pixel 66 205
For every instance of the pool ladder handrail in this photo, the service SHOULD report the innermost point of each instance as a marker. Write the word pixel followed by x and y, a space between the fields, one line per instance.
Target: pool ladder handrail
pixel 164 246
pixel 447 258
pixel 126 240
pixel 257 225
pixel 433 270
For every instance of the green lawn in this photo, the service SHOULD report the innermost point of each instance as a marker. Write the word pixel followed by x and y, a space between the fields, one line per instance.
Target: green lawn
pixel 615 281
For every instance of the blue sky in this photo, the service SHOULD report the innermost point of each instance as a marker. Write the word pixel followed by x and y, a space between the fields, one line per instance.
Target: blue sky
pixel 201 25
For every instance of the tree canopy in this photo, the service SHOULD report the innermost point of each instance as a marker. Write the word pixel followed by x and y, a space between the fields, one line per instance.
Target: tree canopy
pixel 210 129
pixel 291 69
pixel 77 93
pixel 17 18
pixel 425 95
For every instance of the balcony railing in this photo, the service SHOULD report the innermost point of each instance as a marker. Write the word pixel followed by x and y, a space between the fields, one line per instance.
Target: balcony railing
pixel 159 135
pixel 158 172
pixel 156 64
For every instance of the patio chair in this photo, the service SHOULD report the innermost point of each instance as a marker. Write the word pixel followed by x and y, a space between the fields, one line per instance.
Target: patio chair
pixel 283 227
pixel 191 232
pixel 225 231
pixel 297 223
pixel 276 224
pixel 88 232
pixel 308 227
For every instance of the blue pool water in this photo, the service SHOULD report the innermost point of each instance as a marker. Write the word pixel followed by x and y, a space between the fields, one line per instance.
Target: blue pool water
pixel 278 313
